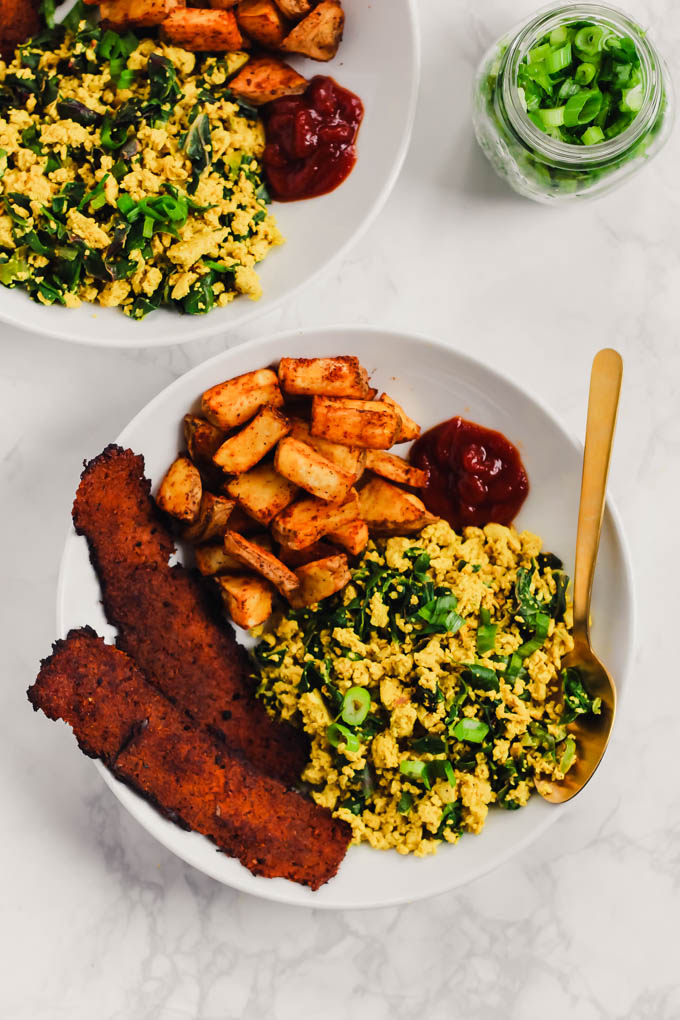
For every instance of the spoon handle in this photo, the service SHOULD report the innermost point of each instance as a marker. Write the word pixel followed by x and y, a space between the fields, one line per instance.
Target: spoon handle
pixel 603 402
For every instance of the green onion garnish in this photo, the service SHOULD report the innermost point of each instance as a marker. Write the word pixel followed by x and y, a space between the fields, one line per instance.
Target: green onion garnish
pixel 338 734
pixel 355 706
pixel 472 730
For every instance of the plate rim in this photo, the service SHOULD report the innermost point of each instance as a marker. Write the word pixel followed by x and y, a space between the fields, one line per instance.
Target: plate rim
pixel 282 893
pixel 202 329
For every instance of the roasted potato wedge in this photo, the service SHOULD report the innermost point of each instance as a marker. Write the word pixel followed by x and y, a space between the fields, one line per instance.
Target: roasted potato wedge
pixel 301 464
pixel 214 559
pixel 248 600
pixel 295 9
pixel 326 377
pixel 266 78
pixel 320 579
pixel 199 30
pixel 353 537
pixel 137 13
pixel 219 5
pixel 262 562
pixel 263 22
pixel 388 510
pixel 235 401
pixel 309 519
pixel 211 522
pixel 396 469
pixel 243 451
pixel 408 428
pixel 181 490
pixel 242 522
pixel 366 423
pixel 202 439
pixel 262 492
pixel 350 459
pixel 318 35
pixel 295 558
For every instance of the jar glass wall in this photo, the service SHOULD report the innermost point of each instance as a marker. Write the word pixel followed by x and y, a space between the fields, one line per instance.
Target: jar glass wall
pixel 545 168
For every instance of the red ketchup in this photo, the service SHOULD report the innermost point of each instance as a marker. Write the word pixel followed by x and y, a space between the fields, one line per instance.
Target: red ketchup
pixel 476 475
pixel 310 140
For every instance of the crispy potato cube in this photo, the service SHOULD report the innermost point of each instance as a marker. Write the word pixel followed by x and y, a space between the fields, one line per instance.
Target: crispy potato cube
pixel 299 557
pixel 248 600
pixel 318 35
pixel 262 562
pixel 199 30
pixel 366 423
pixel 310 519
pixel 266 78
pixel 214 559
pixel 202 438
pixel 235 401
pixel 137 13
pixel 350 459
pixel 408 428
pixel 388 510
pixel 295 9
pixel 243 451
pixel 326 377
pixel 242 522
pixel 353 537
pixel 388 465
pixel 262 21
pixel 262 492
pixel 320 579
pixel 305 467
pixel 180 491
pixel 220 5
pixel 211 522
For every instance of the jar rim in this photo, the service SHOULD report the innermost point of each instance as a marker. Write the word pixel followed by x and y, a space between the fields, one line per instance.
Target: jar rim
pixel 567 154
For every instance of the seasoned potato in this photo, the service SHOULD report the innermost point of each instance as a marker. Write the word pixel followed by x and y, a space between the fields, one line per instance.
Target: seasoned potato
pixel 248 600
pixel 243 451
pixel 18 22
pixel 242 522
pixel 326 377
pixel 295 9
pixel 350 459
pixel 310 519
pixel 262 562
pixel 353 537
pixel 266 78
pixel 180 491
pixel 388 465
pixel 202 439
pixel 262 492
pixel 388 510
pixel 212 518
pixel 219 5
pixel 408 428
pixel 305 467
pixel 320 579
pixel 233 402
pixel 137 13
pixel 214 559
pixel 299 557
pixel 198 30
pixel 366 423
pixel 262 21
pixel 318 35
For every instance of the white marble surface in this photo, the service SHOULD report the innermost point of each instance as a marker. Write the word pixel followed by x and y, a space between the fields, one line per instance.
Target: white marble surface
pixel 100 921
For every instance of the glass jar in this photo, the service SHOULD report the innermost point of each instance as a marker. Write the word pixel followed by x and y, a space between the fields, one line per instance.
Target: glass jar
pixel 547 169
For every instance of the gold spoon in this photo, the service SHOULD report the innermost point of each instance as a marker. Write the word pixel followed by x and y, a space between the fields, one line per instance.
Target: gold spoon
pixel 591 732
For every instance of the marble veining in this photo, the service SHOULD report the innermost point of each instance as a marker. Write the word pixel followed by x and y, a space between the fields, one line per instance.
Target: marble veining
pixel 100 920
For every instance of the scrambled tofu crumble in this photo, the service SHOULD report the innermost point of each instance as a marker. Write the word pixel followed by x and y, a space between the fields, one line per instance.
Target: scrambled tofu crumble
pixel 457 641
pixel 129 175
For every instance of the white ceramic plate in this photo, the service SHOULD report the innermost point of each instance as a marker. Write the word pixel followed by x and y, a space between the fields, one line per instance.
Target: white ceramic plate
pixel 316 231
pixel 433 382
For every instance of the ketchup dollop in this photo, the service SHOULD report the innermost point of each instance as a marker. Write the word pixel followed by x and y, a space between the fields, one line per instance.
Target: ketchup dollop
pixel 310 140
pixel 476 475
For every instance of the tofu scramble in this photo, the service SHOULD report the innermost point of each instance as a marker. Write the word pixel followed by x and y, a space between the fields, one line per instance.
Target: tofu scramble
pixel 129 175
pixel 431 687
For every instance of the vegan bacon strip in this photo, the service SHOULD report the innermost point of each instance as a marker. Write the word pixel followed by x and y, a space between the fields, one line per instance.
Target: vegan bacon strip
pixel 117 716
pixel 166 621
